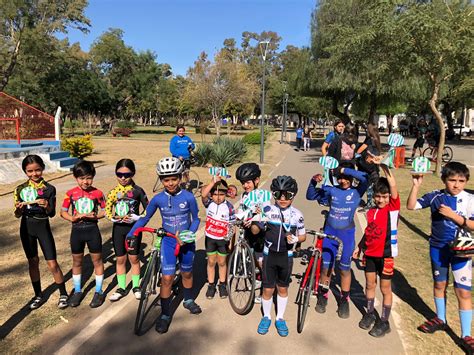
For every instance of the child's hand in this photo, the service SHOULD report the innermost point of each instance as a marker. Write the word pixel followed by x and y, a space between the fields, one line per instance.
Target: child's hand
pixel 417 180
pixel 356 253
pixel 19 205
pixel 247 223
pixel 43 203
pixel 292 239
pixel 77 217
pixel 446 211
pixel 91 215
pixel 318 178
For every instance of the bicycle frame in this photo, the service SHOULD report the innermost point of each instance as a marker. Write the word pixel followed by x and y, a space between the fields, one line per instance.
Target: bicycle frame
pixel 160 233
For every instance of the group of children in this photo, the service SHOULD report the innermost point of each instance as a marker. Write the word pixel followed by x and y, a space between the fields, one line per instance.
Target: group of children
pixel 272 240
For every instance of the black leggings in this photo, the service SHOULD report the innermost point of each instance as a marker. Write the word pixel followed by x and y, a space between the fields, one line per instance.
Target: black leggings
pixel 34 230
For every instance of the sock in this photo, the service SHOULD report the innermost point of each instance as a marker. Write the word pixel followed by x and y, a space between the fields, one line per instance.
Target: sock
pixel 370 305
pixel 98 283
pixel 281 304
pixel 324 291
pixel 122 281
pixel 465 315
pixel 385 312
pixel 345 296
pixel 62 289
pixel 440 304
pixel 166 306
pixel 135 280
pixel 187 294
pixel 267 308
pixel 37 288
pixel 76 280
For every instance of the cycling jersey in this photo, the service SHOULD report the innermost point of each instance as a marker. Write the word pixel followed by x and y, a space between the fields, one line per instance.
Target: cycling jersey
pixel 132 195
pixel 443 230
pixel 281 222
pixel 179 146
pixel 42 190
pixel 380 236
pixel 255 241
pixel 179 212
pixel 92 200
pixel 343 203
pixel 218 217
pixel 331 136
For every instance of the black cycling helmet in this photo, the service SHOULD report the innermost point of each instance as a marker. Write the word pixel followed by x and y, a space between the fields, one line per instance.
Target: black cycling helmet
pixel 247 172
pixel 284 183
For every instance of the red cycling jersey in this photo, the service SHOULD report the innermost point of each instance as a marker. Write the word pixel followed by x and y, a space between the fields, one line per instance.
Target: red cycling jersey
pixel 82 201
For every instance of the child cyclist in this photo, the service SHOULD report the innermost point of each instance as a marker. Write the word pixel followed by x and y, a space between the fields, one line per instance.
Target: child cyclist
pixel 122 208
pixel 284 228
pixel 179 212
pixel 218 216
pixel 249 176
pixel 343 200
pixel 35 203
pixel 83 206
pixel 451 209
pixel 379 245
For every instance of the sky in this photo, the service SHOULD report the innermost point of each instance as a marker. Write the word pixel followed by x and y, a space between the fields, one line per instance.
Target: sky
pixel 178 30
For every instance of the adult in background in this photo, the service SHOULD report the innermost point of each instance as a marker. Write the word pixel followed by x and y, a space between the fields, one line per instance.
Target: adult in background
pixel 180 146
pixel 333 135
pixel 307 138
pixel 299 137
pixel 420 133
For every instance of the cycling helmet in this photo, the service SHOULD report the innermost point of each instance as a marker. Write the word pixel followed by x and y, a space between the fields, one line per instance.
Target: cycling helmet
pixel 463 243
pixel 284 183
pixel 247 172
pixel 169 166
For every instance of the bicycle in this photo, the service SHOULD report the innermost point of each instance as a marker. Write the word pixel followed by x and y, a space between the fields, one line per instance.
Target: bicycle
pixel 241 273
pixel 309 282
pixel 432 150
pixel 152 275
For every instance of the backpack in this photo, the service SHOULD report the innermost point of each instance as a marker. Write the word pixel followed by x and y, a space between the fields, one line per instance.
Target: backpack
pixel 341 150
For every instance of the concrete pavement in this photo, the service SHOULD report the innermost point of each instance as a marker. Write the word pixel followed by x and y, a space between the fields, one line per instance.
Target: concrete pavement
pixel 218 329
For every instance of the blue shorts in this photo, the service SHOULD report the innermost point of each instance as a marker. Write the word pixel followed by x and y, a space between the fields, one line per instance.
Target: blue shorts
pixel 347 236
pixel 168 259
pixel 442 258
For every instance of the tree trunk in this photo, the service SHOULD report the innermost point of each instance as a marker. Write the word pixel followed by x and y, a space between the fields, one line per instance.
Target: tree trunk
pixel 439 119
pixel 9 71
pixel 335 110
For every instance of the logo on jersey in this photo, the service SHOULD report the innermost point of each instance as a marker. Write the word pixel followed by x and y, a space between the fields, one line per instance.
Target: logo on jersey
pixel 349 197
pixel 84 205
pixel 182 205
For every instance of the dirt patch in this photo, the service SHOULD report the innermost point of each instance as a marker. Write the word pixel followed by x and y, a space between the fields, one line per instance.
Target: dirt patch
pixel 21 329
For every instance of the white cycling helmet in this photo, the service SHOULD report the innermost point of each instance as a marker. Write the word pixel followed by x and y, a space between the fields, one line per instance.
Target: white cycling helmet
pixel 463 244
pixel 169 166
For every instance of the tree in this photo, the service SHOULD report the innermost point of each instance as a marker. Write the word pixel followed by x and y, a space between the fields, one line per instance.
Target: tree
pixel 34 18
pixel 438 38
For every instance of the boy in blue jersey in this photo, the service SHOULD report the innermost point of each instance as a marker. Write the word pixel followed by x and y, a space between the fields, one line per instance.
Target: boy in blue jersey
pixel 343 200
pixel 451 209
pixel 179 212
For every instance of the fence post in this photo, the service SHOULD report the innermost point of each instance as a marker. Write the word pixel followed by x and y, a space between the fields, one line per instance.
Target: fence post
pixel 57 128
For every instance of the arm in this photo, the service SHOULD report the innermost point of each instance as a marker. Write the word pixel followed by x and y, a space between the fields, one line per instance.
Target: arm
pixel 193 146
pixel 362 148
pixel 207 189
pixel 111 200
pixel 316 193
pixel 149 212
pixel 412 197
pixel 194 215
pixel 173 147
pixel 391 181
pixel 359 175
pixel 461 221
pixel 18 205
pixel 324 148
pixel 144 200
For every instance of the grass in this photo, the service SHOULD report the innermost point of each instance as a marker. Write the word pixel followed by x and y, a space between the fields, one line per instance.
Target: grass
pixel 413 282
pixel 21 330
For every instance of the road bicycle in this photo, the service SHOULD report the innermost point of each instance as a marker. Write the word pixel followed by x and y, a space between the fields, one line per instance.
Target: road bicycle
pixel 432 151
pixel 309 281
pixel 241 272
pixel 152 276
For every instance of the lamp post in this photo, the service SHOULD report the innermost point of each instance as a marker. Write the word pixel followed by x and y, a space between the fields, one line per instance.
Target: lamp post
pixel 283 124
pixel 263 48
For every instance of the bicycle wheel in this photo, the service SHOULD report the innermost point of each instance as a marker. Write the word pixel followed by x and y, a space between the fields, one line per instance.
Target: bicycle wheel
pixel 427 153
pixel 241 279
pixel 147 288
pixel 193 184
pixel 304 294
pixel 447 154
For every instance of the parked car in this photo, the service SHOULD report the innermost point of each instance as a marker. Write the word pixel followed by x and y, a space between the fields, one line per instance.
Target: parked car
pixel 465 131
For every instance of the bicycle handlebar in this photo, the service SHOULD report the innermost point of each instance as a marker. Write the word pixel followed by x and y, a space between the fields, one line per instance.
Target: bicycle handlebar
pixel 160 232
pixel 322 235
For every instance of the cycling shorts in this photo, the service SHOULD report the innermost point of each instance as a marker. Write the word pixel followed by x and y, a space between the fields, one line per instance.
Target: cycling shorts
pixel 255 242
pixel 419 143
pixel 34 230
pixel 382 266
pixel 87 234
pixel 168 259
pixel 347 236
pixel 276 269
pixel 216 246
pixel 119 233
pixel 442 258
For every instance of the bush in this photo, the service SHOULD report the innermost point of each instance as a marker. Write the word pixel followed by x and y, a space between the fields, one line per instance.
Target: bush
pixel 223 151
pixel 203 154
pixel 254 138
pixel 125 124
pixel 203 130
pixel 79 147
pixel 124 132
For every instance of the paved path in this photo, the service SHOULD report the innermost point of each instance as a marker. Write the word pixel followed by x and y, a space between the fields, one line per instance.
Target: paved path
pixel 218 329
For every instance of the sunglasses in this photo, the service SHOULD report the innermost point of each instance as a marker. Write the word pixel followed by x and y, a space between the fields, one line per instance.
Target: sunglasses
pixel 288 195
pixel 124 175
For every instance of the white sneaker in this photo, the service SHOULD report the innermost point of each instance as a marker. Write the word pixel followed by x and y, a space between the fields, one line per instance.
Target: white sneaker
pixel 118 294
pixel 137 293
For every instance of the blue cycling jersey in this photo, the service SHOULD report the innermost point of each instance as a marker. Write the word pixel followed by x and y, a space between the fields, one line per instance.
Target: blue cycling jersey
pixel 343 203
pixel 179 212
pixel 443 230
pixel 179 146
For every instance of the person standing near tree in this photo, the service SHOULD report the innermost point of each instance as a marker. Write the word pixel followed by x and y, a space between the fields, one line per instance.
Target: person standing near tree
pixel 333 135
pixel 307 138
pixel 299 137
